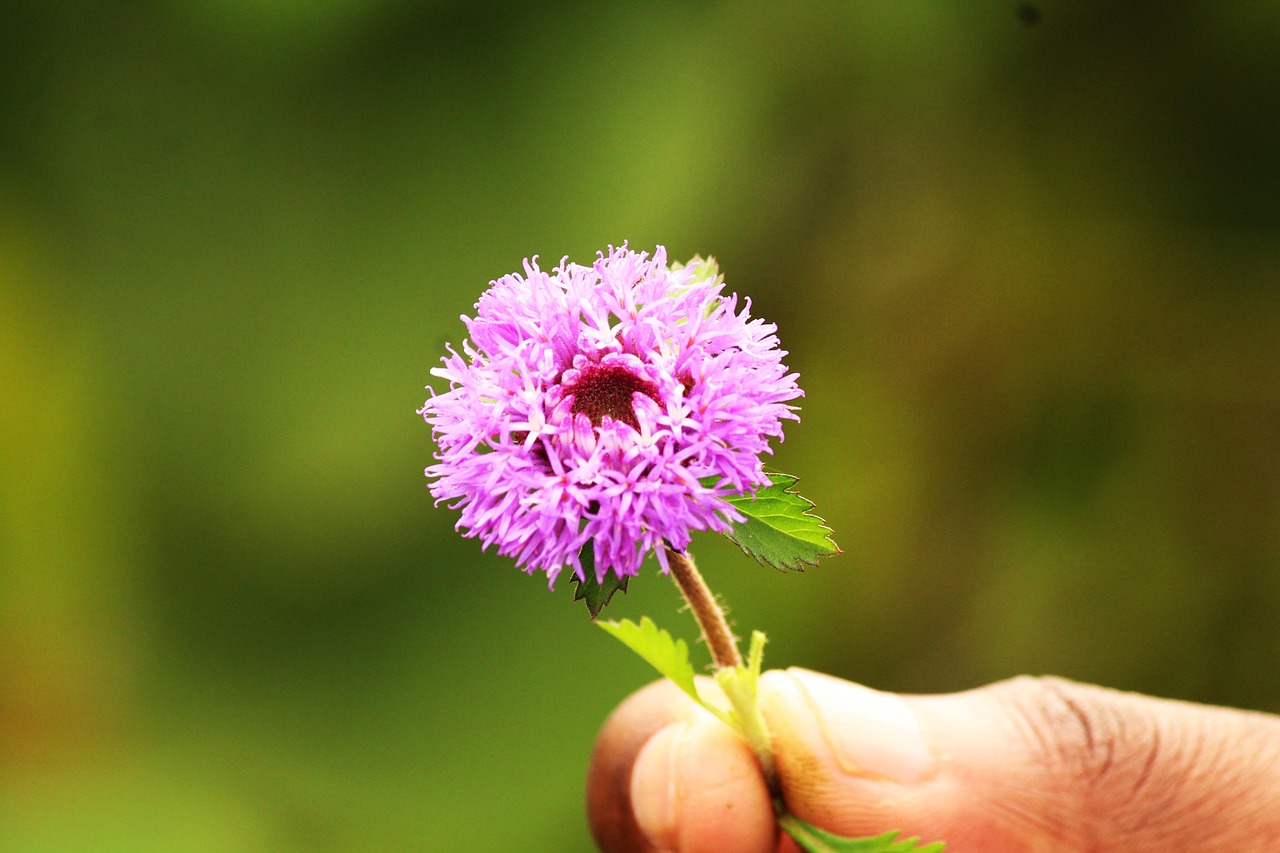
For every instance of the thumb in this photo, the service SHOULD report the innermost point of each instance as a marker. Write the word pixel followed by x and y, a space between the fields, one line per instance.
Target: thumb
pixel 1032 764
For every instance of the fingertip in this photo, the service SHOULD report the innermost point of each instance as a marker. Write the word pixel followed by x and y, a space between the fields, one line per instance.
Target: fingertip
pixel 850 759
pixel 609 806
pixel 696 788
pixel 654 786
pixel 869 733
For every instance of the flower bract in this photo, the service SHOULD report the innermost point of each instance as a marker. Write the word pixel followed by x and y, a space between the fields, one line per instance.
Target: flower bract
pixel 612 406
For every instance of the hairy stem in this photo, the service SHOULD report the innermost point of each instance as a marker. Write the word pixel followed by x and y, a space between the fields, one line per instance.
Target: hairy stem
pixel 715 629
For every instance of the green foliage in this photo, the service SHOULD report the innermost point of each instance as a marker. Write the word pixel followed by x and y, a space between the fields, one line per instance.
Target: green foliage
pixel 816 840
pixel 596 593
pixel 781 530
pixel 669 656
pixel 704 269
pixel 741 686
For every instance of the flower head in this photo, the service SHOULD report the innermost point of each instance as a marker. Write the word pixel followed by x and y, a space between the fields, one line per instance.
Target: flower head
pixel 615 404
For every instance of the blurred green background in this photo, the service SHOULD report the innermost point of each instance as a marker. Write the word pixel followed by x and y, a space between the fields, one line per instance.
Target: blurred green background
pixel 1026 269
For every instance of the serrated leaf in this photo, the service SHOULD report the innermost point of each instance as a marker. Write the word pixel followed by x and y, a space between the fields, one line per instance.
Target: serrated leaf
pixel 815 840
pixel 781 530
pixel 660 650
pixel 595 592
pixel 663 652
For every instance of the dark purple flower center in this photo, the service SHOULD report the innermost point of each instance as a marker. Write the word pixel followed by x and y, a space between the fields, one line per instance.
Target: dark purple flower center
pixel 608 390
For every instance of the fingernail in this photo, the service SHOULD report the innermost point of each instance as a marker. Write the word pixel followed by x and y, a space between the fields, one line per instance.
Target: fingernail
pixel 870 733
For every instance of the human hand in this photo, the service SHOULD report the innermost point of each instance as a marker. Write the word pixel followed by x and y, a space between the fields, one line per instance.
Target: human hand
pixel 1032 764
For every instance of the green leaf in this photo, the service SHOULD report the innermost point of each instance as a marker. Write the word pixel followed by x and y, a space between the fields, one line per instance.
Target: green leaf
pixel 704 269
pixel 596 593
pixel 817 840
pixel 780 530
pixel 741 686
pixel 667 655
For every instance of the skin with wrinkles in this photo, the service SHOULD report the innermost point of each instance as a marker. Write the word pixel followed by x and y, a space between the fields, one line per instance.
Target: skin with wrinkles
pixel 1022 766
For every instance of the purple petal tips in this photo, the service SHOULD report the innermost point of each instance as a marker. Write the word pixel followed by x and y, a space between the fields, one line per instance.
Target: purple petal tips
pixel 615 404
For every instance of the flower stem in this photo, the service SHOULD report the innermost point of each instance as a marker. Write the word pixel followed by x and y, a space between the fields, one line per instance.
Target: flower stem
pixel 710 616
pixel 738 682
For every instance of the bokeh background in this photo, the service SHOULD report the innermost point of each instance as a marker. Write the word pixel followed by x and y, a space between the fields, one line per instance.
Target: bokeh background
pixel 1025 259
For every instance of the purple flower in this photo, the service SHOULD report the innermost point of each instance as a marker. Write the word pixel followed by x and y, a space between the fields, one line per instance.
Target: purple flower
pixel 616 404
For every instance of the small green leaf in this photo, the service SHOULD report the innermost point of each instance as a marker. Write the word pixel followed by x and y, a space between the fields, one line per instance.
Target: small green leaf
pixel 780 530
pixel 667 655
pixel 596 593
pixel 741 686
pixel 663 652
pixel 704 269
pixel 817 840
